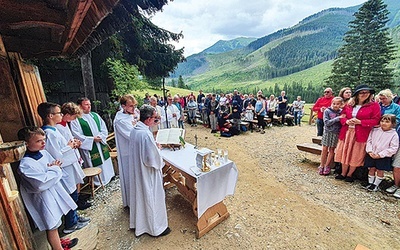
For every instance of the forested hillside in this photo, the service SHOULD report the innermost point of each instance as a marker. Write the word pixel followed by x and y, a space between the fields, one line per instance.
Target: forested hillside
pixel 265 61
pixel 198 63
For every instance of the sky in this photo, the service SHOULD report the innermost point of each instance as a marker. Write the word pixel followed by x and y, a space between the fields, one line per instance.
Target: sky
pixel 204 22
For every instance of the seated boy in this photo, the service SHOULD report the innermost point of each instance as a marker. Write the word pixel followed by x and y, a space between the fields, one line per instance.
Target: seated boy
pixel 41 190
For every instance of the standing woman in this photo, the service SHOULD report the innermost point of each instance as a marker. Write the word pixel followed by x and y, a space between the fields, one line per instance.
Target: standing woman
pixel 271 107
pixel 260 112
pixel 389 107
pixel 361 116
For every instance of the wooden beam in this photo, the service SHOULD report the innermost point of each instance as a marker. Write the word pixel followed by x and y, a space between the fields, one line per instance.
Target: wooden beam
pixel 35 48
pixel 79 15
pixel 35 24
pixel 3 53
pixel 87 75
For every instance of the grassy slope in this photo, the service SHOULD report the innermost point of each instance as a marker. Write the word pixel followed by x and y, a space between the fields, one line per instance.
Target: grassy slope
pixel 315 75
pixel 172 90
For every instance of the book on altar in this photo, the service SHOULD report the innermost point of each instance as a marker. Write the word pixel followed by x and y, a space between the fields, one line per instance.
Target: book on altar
pixel 170 136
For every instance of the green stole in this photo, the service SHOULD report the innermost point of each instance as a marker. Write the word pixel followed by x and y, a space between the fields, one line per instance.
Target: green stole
pixel 94 153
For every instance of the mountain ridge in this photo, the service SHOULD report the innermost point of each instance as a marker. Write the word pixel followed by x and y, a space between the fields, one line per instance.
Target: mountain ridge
pixel 312 41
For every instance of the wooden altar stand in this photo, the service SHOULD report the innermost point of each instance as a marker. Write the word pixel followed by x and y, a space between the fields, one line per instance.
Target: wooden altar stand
pixel 187 186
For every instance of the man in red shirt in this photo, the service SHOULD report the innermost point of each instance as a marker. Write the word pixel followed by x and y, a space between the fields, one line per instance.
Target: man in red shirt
pixel 320 105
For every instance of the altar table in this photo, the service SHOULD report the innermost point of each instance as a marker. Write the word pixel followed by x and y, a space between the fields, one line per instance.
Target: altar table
pixel 205 192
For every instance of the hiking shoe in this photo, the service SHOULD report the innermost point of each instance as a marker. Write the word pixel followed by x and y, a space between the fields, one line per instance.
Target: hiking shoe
pixel 327 171
pixel 349 179
pixel 392 189
pixel 77 226
pixel 320 170
pixel 367 186
pixel 82 204
pixel 82 219
pixel 340 177
pixel 68 243
pixel 397 194
pixel 373 188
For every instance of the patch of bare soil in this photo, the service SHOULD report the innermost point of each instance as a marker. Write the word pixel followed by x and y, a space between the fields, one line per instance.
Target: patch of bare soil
pixel 280 203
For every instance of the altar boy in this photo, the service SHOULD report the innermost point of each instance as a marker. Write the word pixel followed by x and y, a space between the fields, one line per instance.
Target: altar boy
pixel 61 149
pixel 41 190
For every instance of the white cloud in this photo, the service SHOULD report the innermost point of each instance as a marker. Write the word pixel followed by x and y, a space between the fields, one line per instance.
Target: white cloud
pixel 204 22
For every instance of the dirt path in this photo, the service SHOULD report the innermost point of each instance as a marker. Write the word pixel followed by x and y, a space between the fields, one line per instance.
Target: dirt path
pixel 280 203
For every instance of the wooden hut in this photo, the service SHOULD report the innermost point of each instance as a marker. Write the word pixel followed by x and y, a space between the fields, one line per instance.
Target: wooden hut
pixel 40 29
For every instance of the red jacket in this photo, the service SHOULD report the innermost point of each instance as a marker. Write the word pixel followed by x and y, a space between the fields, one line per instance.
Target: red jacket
pixel 322 102
pixel 369 115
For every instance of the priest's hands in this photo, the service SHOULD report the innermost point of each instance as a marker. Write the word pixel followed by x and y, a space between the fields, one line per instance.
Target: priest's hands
pixel 97 138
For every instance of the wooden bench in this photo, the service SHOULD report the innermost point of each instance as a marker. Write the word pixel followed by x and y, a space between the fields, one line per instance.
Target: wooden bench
pixel 317 140
pixel 266 119
pixel 112 146
pixel 310 148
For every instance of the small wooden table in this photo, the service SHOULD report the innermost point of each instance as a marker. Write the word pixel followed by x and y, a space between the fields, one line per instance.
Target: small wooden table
pixel 212 210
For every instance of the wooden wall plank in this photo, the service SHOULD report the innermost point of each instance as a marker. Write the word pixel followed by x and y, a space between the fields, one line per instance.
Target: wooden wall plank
pixel 16 116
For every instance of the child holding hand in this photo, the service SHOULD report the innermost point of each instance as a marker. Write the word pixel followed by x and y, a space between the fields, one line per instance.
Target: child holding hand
pixel 330 136
pixel 382 144
pixel 41 190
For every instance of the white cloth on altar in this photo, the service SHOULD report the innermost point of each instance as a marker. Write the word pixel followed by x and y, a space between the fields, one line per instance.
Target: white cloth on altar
pixel 42 192
pixel 57 146
pixel 123 125
pixel 87 143
pixel 213 186
pixel 148 211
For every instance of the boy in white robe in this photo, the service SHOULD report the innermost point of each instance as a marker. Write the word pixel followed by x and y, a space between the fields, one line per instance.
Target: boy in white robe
pixel 63 150
pixel 41 190
pixel 91 130
pixel 148 211
pixel 123 124
pixel 70 112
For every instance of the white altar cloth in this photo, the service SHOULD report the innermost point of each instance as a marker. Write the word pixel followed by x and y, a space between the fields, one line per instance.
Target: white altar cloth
pixel 212 186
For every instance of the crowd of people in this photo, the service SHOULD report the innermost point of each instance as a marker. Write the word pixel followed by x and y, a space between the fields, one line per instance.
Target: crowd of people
pixel 225 113
pixel 360 130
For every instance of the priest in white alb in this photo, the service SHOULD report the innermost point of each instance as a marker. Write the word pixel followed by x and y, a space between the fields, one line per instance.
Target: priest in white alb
pixel 123 124
pixel 148 211
pixel 173 114
pixel 91 130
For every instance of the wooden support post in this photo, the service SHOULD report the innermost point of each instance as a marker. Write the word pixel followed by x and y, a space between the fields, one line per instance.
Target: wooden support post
pixel 310 120
pixel 87 75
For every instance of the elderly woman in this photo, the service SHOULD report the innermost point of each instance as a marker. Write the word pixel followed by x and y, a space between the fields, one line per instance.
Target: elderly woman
pixel 361 116
pixel 389 107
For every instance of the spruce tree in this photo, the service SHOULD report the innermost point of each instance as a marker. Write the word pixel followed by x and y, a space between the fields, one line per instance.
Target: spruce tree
pixel 181 83
pixel 367 51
